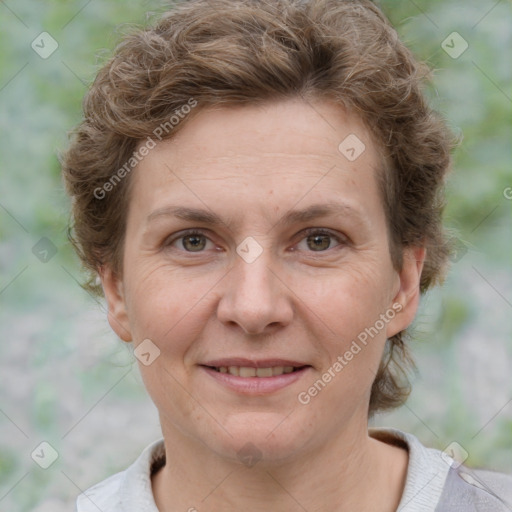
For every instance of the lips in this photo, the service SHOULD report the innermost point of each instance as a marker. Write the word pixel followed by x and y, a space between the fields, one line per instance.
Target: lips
pixel 255 376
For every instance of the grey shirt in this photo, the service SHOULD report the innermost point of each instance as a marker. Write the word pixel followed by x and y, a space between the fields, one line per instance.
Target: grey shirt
pixel 435 483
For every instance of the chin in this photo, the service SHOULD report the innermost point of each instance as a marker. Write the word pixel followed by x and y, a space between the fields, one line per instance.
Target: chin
pixel 259 437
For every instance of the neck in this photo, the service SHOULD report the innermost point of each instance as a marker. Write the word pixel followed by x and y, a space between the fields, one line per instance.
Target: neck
pixel 353 472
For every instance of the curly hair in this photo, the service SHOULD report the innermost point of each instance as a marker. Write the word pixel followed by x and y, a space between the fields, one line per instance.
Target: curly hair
pixel 236 52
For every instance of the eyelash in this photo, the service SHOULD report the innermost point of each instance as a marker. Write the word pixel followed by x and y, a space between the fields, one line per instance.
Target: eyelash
pixel 306 232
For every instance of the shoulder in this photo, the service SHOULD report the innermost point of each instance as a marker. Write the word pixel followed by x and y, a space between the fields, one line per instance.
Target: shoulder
pixel 480 490
pixel 126 491
pixel 102 496
pixel 437 482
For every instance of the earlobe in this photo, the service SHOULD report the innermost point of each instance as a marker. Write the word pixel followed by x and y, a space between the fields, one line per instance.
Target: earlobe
pixel 408 295
pixel 117 314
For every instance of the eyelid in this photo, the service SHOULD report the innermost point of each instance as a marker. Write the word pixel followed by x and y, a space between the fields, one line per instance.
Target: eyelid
pixel 324 231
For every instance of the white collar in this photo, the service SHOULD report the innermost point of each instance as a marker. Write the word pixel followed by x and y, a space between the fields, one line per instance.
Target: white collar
pixel 131 490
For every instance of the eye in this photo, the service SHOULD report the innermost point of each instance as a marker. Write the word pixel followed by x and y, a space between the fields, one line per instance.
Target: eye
pixel 319 240
pixel 190 241
pixel 316 240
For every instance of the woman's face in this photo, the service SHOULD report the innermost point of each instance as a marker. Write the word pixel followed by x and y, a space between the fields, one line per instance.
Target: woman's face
pixel 288 266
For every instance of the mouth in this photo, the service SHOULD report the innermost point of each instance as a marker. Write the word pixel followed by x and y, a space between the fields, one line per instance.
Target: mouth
pixel 255 377
pixel 249 371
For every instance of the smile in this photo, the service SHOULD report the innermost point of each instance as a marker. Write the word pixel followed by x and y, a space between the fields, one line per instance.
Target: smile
pixel 256 380
pixel 248 371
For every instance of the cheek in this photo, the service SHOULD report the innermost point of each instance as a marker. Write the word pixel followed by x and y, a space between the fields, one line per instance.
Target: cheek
pixel 171 309
pixel 347 310
pixel 350 297
pixel 351 335
pixel 167 305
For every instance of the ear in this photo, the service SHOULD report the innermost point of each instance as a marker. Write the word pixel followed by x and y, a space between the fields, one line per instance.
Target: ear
pixel 408 294
pixel 117 314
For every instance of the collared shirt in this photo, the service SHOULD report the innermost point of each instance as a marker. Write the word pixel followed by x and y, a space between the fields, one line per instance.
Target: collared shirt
pixel 435 482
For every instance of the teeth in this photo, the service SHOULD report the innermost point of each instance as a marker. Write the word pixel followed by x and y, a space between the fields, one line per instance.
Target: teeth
pixel 264 372
pixel 246 371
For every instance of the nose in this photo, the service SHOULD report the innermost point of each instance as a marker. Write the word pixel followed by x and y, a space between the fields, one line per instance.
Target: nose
pixel 255 297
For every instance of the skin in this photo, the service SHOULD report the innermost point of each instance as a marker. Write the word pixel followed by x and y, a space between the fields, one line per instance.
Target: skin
pixel 251 165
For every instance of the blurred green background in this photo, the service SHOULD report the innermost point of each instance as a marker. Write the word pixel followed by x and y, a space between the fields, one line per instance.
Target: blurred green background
pixel 66 380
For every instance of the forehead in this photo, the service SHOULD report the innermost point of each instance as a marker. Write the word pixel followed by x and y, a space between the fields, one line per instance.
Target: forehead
pixel 288 128
pixel 264 152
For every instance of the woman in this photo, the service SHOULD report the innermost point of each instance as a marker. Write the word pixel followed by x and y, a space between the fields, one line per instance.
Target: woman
pixel 258 187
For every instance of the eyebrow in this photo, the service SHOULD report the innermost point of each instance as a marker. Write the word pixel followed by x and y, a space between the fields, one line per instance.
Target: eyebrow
pixel 292 217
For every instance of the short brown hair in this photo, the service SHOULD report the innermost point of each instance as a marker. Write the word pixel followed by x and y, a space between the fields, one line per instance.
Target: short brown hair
pixel 235 52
